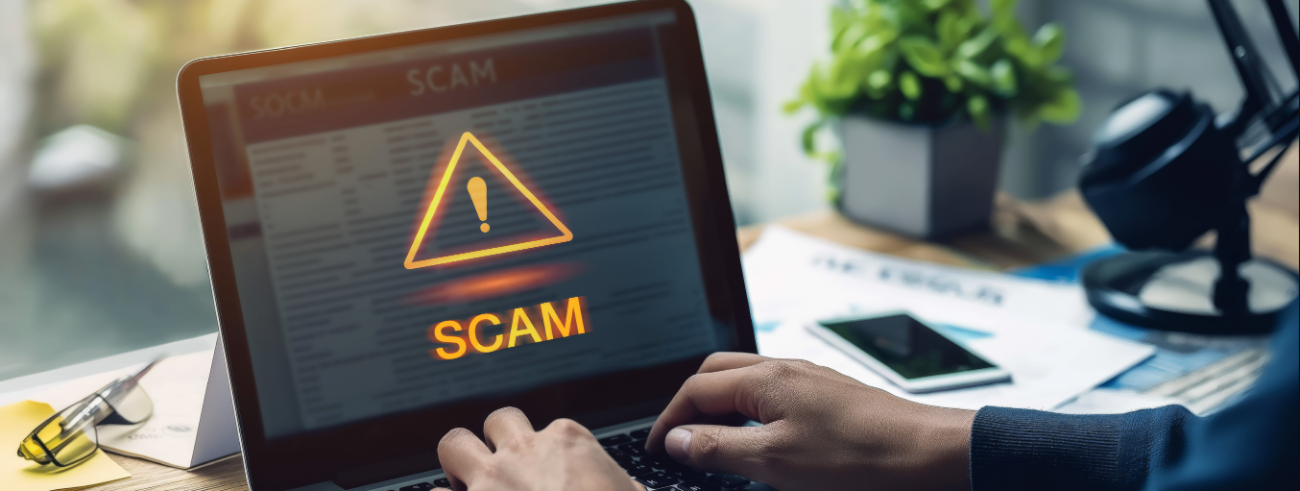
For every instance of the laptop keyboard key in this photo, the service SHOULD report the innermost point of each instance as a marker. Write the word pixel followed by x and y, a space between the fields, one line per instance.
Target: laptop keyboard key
pixel 657 480
pixel 635 449
pixel 420 486
pixel 618 455
pixel 443 483
pixel 640 434
pixel 666 463
pixel 637 469
pixel 610 441
pixel 728 481
pixel 688 474
pixel 699 486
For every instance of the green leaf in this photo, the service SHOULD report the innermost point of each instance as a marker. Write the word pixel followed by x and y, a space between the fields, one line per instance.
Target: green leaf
pixel 879 39
pixel 947 28
pixel 1059 75
pixel 953 83
pixel 829 156
pixel 910 85
pixel 1022 50
pixel 846 38
pixel 933 5
pixel 834 176
pixel 972 15
pixel 814 92
pixel 974 73
pixel 847 71
pixel 978 107
pixel 1064 108
pixel 1003 73
pixel 809 137
pixel 1050 41
pixel 923 55
pixel 793 106
pixel 878 82
pixel 979 45
pixel 1003 7
pixel 873 52
pixel 840 18
pixel 1010 28
pixel 966 24
pixel 908 16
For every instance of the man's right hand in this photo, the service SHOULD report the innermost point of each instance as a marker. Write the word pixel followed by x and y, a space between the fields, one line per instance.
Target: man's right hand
pixel 820 430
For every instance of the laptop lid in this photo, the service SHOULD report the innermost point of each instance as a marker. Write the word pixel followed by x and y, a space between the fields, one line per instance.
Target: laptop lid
pixel 408 231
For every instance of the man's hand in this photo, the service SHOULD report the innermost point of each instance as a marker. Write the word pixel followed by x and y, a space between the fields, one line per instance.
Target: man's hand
pixel 564 456
pixel 820 430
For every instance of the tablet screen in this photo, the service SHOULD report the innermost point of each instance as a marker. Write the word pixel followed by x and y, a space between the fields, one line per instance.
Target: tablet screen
pixel 469 218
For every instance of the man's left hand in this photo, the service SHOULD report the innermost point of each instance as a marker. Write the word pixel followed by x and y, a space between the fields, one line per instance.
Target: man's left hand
pixel 564 455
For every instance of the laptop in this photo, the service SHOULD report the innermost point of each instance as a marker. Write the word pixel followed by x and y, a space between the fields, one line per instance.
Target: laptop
pixel 408 231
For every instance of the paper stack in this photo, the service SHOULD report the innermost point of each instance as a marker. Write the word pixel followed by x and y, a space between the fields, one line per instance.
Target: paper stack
pixel 1037 330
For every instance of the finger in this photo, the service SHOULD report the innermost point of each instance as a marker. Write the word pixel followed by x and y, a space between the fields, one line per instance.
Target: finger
pixel 570 428
pixel 505 424
pixel 704 395
pixel 728 360
pixel 463 456
pixel 721 449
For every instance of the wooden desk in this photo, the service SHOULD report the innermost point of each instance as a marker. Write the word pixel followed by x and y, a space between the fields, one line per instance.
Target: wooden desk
pixel 1024 233
pixel 226 475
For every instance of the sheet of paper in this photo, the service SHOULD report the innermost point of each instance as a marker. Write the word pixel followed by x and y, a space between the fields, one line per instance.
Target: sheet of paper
pixel 782 255
pixel 16 422
pixel 1034 329
pixel 1113 401
pixel 176 386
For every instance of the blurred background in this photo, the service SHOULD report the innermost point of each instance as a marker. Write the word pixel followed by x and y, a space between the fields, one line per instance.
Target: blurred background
pixel 100 250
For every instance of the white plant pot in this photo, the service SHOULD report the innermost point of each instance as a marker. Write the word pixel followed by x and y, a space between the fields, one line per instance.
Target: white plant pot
pixel 921 181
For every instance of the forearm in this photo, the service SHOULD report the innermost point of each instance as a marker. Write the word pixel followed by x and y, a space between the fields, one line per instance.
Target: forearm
pixel 1014 449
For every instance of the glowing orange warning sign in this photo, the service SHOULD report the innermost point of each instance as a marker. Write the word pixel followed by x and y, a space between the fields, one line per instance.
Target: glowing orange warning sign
pixel 477 189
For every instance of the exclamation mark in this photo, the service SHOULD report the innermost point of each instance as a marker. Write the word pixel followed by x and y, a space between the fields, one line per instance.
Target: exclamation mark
pixel 478 193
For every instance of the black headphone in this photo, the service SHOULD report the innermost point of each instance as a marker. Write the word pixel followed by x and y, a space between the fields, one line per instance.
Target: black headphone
pixel 1165 170
pixel 1161 173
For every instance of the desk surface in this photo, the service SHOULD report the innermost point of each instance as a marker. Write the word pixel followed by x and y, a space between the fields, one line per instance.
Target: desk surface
pixel 1026 233
pixel 1023 233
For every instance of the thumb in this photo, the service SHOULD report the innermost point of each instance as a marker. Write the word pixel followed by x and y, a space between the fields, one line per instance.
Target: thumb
pixel 720 449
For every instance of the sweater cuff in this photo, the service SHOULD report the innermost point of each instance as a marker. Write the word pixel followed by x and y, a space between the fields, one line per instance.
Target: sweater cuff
pixel 1012 449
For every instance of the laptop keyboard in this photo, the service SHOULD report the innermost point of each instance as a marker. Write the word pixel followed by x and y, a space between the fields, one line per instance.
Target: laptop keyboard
pixel 656 472
pixel 660 472
pixel 426 486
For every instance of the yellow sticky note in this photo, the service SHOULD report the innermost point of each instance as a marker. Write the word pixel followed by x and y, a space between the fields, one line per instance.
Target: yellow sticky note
pixel 17 474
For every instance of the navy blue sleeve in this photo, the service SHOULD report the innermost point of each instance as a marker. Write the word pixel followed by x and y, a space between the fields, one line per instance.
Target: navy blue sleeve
pixel 1013 449
pixel 1249 445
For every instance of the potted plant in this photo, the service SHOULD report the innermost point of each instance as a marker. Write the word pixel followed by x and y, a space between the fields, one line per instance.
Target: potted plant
pixel 919 91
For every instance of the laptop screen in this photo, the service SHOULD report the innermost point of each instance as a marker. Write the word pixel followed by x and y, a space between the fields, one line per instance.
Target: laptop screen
pixel 462 219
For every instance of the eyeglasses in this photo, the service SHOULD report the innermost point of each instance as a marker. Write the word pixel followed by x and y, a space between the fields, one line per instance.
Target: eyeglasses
pixel 69 437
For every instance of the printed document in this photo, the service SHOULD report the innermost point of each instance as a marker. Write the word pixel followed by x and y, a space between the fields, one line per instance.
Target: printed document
pixel 1036 330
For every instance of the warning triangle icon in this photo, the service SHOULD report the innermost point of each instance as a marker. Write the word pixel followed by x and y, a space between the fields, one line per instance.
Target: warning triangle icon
pixel 427 229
